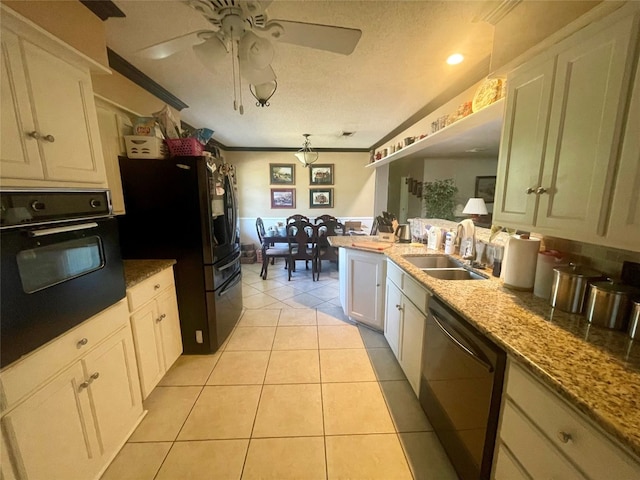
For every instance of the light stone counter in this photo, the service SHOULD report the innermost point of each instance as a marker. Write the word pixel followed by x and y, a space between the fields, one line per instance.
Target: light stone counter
pixel 135 271
pixel 596 370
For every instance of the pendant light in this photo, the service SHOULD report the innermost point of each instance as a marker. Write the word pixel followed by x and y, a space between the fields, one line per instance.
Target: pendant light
pixel 306 155
pixel 263 92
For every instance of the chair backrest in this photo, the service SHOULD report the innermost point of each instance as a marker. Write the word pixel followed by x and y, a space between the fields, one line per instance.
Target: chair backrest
pixel 260 229
pixel 324 218
pixel 330 228
pixel 302 237
pixel 297 217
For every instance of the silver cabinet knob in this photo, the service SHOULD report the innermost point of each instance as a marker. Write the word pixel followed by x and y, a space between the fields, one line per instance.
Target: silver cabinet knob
pixel 81 343
pixel 163 316
pixel 564 437
pixel 156 286
pixel 49 138
pixel 94 376
pixel 540 190
pixel 89 381
pixel 84 384
pixel 530 190
pixel 35 135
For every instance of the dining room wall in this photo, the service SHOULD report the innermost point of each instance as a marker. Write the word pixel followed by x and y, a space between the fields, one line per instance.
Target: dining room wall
pixel 353 188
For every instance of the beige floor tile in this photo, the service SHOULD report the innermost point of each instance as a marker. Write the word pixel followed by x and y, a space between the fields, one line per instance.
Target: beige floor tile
pixel 137 461
pixel 240 368
pixel 293 366
pixel 368 457
pixel 251 338
pixel 327 292
pixel 251 279
pixel 332 315
pixel 285 292
pixel 304 300
pixel 285 458
pixel 371 338
pixel 346 336
pixel 222 413
pixel 260 300
pixel 426 457
pixel 405 409
pixel 296 338
pixel 385 364
pixel 190 370
pixel 269 284
pixel 204 460
pixel 346 365
pixel 298 316
pixel 289 411
pixel 248 291
pixel 168 408
pixel 263 317
pixel 351 408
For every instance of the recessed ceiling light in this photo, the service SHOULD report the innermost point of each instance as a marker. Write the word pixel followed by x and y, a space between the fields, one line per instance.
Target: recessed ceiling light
pixel 455 59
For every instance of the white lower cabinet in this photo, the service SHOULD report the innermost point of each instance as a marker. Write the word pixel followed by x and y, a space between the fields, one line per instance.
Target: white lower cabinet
pixel 542 436
pixel 73 424
pixel 405 318
pixel 364 287
pixel 156 327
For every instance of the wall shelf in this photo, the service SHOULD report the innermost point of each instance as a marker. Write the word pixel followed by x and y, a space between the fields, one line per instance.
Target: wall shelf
pixel 477 135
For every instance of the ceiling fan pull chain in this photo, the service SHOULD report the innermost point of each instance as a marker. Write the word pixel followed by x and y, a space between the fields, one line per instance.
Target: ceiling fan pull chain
pixel 233 68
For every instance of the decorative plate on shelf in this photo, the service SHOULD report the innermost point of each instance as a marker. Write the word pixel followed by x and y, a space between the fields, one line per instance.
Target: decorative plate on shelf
pixel 487 93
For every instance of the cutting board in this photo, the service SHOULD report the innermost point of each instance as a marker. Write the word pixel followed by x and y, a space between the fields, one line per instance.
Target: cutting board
pixel 372 245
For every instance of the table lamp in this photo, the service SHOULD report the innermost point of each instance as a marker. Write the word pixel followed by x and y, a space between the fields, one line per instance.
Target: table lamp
pixel 475 207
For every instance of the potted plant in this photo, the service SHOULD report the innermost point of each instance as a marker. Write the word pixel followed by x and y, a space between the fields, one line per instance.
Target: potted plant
pixel 440 198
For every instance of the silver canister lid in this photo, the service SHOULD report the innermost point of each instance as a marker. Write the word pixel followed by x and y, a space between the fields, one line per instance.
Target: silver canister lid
pixel 577 271
pixel 612 287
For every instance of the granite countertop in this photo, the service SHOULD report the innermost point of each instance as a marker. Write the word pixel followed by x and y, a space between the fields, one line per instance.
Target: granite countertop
pixel 135 271
pixel 596 370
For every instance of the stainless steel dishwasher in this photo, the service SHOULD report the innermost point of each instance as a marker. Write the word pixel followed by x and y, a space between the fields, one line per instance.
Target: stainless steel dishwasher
pixel 460 389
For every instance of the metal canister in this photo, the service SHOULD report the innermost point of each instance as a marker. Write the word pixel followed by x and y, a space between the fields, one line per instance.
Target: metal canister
pixel 634 320
pixel 608 304
pixel 569 287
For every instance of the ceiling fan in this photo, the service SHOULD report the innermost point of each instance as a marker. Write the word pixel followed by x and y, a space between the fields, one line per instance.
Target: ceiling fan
pixel 242 28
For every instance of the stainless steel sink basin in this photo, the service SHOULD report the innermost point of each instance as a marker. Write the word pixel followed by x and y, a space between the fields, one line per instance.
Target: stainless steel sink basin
pixel 432 261
pixel 453 274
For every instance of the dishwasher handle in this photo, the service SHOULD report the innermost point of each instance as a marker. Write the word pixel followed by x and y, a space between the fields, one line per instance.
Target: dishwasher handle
pixel 476 356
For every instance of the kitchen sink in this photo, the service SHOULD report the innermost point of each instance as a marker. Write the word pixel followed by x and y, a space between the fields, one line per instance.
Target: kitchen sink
pixel 453 274
pixel 432 261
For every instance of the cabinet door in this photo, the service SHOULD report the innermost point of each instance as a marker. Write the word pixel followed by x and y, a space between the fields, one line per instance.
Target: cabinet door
pixel 413 321
pixel 63 101
pixel 169 326
pixel 522 145
pixel 114 389
pixel 366 284
pixel 342 266
pixel 624 224
pixel 148 346
pixel 592 80
pixel 19 153
pixel 393 317
pixel 52 434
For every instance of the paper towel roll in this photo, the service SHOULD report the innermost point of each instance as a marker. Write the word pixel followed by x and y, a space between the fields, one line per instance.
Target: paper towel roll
pixel 545 264
pixel 519 265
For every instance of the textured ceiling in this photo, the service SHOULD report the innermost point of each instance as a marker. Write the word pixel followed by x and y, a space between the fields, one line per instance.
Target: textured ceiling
pixel 397 68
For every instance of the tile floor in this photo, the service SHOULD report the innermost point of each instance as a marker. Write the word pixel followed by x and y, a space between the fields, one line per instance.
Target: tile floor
pixel 297 392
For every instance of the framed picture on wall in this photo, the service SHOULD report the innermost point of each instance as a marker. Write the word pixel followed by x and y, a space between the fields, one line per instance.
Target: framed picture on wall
pixel 282 173
pixel 321 198
pixel 321 174
pixel 283 198
pixel 486 188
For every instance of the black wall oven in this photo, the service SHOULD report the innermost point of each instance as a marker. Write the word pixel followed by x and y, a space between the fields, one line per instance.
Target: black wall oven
pixel 61 264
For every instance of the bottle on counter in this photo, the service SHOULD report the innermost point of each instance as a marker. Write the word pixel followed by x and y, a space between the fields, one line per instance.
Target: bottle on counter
pixel 450 242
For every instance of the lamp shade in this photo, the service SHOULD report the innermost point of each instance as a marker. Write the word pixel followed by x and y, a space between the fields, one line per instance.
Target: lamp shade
pixel 475 206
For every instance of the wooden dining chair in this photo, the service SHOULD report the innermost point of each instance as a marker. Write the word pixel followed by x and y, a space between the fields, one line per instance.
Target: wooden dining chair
pixel 302 237
pixel 324 218
pixel 269 250
pixel 296 217
pixel 324 250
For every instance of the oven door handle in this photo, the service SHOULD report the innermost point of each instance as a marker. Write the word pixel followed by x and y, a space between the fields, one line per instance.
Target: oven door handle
pixel 66 228
pixel 232 283
pixel 227 265
pixel 467 350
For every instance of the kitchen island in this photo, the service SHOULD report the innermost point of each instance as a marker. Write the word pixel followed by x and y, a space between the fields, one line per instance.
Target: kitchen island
pixel 597 371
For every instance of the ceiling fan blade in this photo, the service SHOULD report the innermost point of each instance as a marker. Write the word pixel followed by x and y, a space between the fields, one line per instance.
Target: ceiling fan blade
pixel 174 45
pixel 322 37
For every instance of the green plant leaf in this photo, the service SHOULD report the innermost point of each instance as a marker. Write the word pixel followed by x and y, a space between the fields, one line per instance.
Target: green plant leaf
pixel 439 198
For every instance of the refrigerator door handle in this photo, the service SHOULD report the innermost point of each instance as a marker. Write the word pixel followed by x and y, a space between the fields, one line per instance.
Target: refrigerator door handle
pixel 227 265
pixel 234 281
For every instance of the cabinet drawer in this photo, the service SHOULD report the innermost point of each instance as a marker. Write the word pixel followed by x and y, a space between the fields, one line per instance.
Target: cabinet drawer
pixel 20 378
pixel 395 273
pixel 507 467
pixel 149 288
pixel 591 450
pixel 534 452
pixel 416 293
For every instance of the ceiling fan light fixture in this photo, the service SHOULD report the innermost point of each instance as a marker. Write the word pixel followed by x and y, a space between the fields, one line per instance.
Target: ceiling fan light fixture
pixel 255 52
pixel 306 155
pixel 211 53
pixel 263 92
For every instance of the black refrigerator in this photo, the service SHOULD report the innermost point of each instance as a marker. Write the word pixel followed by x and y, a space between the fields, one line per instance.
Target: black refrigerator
pixel 185 208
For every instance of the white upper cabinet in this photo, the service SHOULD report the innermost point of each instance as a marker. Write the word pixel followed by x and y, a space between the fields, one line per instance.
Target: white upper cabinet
pixel 50 134
pixel 560 143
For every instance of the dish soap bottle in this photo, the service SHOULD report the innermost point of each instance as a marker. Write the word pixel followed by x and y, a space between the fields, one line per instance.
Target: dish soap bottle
pixel 450 242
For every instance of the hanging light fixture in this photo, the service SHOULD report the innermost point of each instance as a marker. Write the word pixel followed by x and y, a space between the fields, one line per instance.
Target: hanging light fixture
pixel 306 155
pixel 263 92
